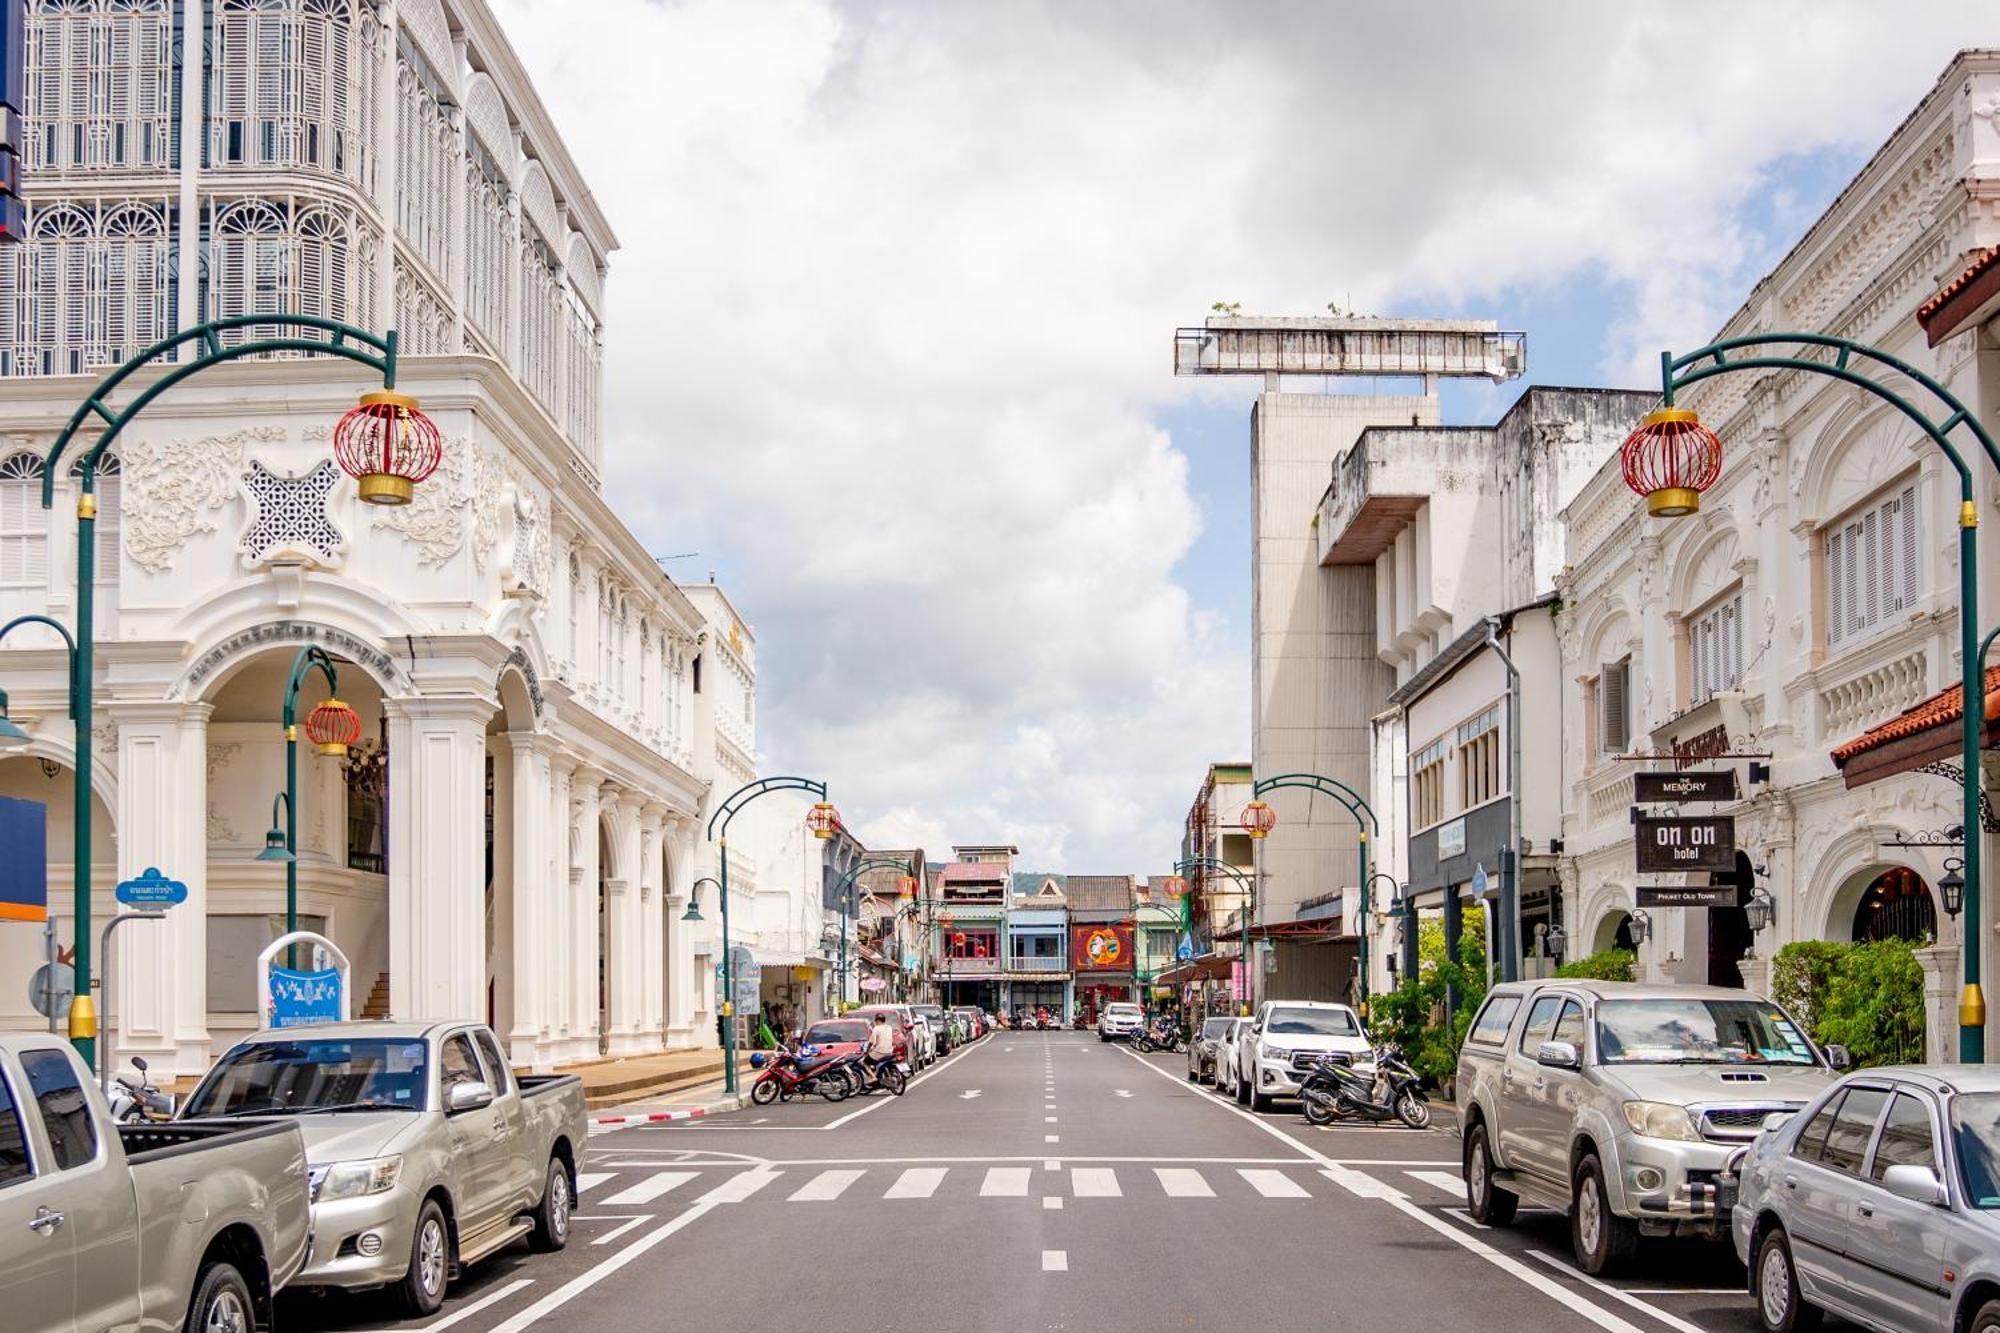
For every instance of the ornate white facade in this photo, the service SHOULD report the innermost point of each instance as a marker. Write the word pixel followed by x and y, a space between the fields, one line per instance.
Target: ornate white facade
pixel 518 833
pixel 1814 596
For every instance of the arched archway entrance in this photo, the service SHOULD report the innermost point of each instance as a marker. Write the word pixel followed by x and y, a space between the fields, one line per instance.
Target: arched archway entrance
pixel 1896 904
pixel 1614 931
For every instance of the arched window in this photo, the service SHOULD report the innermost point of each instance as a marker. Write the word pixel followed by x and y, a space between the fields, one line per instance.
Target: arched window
pixel 92 286
pixel 542 303
pixel 265 256
pixel 489 244
pixel 279 89
pixel 101 88
pixel 24 524
pixel 110 512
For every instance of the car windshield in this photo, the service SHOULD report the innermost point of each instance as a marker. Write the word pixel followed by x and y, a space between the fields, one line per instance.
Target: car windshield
pixel 1121 1011
pixel 1698 1032
pixel 1975 1127
pixel 829 1034
pixel 292 1077
pixel 1215 1027
pixel 1314 1022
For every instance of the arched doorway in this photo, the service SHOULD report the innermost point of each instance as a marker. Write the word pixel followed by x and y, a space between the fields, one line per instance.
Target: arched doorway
pixel 1729 933
pixel 1614 931
pixel 1896 904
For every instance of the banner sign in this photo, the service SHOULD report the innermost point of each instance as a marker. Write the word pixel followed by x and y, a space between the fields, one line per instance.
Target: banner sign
pixel 1706 785
pixel 299 998
pixel 1700 895
pixel 1105 948
pixel 24 870
pixel 1707 842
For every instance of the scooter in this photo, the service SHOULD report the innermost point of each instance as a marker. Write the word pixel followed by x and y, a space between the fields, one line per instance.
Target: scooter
pixel 1332 1091
pixel 1162 1037
pixel 140 1103
pixel 864 1077
pixel 797 1073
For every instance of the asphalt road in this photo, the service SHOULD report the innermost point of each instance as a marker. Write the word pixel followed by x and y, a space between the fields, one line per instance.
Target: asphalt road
pixel 1048 1181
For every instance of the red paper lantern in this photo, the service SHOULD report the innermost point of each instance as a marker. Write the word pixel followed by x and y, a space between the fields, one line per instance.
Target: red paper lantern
pixel 387 445
pixel 333 726
pixel 823 820
pixel 1175 886
pixel 1671 459
pixel 1258 819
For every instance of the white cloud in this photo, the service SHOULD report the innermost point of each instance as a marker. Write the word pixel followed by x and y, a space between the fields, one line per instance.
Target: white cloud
pixel 890 323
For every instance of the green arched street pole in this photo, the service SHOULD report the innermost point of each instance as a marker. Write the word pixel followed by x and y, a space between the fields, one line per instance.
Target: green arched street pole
pixel 377 352
pixel 1364 821
pixel 310 658
pixel 1677 373
pixel 718 833
pixel 841 888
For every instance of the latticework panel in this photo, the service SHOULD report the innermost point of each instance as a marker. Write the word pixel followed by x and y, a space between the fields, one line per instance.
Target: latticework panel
pixel 489 244
pixel 423 317
pixel 298 257
pixel 583 348
pixel 542 311
pixel 102 86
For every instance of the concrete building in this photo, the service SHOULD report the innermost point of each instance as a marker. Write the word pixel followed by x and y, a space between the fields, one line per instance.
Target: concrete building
pixel 968 947
pixel 1038 966
pixel 1811 602
pixel 516 835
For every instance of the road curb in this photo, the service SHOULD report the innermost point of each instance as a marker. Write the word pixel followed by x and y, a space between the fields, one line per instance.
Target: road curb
pixel 659 1117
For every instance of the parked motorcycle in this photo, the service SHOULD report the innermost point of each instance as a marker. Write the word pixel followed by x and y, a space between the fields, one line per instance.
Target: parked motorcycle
pixel 1333 1091
pixel 863 1078
pixel 799 1073
pixel 140 1103
pixel 1160 1037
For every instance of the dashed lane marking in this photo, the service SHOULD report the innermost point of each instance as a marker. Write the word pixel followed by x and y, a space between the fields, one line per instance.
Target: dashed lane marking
pixel 1055 1261
pixel 1052 1202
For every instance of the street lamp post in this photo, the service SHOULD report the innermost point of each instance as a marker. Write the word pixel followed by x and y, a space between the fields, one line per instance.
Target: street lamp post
pixel 1351 801
pixel 385 443
pixel 1672 458
pixel 843 894
pixel 332 727
pixel 823 820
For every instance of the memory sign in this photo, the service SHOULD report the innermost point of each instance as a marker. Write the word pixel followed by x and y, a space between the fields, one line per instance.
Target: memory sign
pixel 1672 788
pixel 1707 842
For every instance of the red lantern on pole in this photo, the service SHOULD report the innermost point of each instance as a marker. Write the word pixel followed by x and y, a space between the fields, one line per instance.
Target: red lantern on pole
pixel 333 726
pixel 823 819
pixel 387 445
pixel 1175 886
pixel 1671 459
pixel 1258 819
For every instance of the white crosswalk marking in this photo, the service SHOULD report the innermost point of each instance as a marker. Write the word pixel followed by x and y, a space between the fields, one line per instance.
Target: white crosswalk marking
pixel 1444 1180
pixel 824 1187
pixel 1005 1182
pixel 649 1189
pixel 739 1187
pixel 1094 1182
pixel 586 1179
pixel 1183 1183
pixel 919 1182
pixel 1273 1184
pixel 1055 1261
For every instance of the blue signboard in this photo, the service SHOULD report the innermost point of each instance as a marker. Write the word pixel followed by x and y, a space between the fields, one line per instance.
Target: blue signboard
pixel 299 998
pixel 151 889
pixel 24 870
pixel 1185 951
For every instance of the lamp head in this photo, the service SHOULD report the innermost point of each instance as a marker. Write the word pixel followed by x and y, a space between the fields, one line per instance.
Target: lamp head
pixel 274 847
pixel 1952 887
pixel 11 734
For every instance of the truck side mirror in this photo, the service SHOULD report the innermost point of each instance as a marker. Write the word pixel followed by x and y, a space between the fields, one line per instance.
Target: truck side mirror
pixel 1558 1055
pixel 469 1096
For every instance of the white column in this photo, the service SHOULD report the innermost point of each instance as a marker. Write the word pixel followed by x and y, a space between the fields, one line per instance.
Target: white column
pixel 681 982
pixel 559 953
pixel 652 1012
pixel 437 856
pixel 626 963
pixel 388 110
pixel 584 869
pixel 500 915
pixel 537 893
pixel 160 986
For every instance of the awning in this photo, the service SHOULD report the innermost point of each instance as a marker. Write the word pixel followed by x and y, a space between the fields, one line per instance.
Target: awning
pixel 1295 932
pixel 1208 967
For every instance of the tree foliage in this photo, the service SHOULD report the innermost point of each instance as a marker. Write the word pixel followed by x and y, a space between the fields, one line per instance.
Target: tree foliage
pixel 1608 965
pixel 1413 1014
pixel 1868 997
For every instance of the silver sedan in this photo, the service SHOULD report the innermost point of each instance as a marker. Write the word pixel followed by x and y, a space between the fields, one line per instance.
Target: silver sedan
pixel 1880 1202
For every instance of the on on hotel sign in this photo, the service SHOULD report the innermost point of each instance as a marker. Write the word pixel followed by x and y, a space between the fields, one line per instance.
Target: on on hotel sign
pixel 1665 846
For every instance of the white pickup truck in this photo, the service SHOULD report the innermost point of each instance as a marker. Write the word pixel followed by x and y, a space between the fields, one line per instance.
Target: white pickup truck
pixel 427 1153
pixel 1285 1039
pixel 106 1226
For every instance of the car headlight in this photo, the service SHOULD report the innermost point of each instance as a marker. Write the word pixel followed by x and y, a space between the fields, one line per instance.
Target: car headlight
pixel 1273 1053
pixel 354 1180
pixel 1661 1120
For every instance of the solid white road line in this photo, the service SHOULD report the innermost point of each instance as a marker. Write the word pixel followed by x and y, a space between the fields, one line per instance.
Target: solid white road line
pixel 1094 1182
pixel 1444 1180
pixel 649 1189
pixel 493 1297
pixel 1051 1165
pixel 621 1229
pixel 1624 1297
pixel 588 1179
pixel 824 1187
pixel 1183 1183
pixel 1005 1182
pixel 1273 1184
pixel 589 1278
pixel 919 1182
pixel 1055 1261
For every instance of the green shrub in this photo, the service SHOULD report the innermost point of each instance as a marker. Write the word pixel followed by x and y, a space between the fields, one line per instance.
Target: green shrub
pixel 1610 965
pixel 1412 1015
pixel 1874 1004
pixel 1800 974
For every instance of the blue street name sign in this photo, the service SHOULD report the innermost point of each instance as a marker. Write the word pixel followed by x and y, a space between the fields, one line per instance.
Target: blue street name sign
pixel 152 889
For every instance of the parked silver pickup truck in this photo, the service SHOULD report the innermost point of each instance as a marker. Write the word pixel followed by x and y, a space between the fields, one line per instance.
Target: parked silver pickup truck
pixel 127 1227
pixel 426 1152
pixel 1621 1104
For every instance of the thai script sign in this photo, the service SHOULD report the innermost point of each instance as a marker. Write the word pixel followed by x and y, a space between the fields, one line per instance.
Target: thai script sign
pixel 299 998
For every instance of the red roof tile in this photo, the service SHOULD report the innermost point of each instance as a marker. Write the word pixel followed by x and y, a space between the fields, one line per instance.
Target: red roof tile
pixel 1981 261
pixel 1943 709
pixel 974 872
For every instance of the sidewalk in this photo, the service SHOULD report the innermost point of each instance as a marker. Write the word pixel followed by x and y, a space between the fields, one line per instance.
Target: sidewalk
pixel 667 1077
pixel 687 1104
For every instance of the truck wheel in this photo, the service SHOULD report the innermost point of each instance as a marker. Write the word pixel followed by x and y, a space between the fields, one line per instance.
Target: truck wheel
pixel 1986 1321
pixel 1258 1101
pixel 1486 1201
pixel 1780 1308
pixel 221 1302
pixel 421 1291
pixel 552 1214
pixel 1603 1241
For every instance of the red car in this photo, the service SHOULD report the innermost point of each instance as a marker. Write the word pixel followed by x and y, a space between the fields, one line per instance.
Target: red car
pixel 899 1019
pixel 837 1036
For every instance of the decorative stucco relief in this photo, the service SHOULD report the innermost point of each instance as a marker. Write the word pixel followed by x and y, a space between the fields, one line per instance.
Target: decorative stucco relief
pixel 434 521
pixel 170 486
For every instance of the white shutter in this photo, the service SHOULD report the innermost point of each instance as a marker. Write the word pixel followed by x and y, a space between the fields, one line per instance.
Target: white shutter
pixel 1732 641
pixel 1907 558
pixel 1612 698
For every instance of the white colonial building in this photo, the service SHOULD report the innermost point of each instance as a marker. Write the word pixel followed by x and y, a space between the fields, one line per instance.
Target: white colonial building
pixel 516 836
pixel 1814 597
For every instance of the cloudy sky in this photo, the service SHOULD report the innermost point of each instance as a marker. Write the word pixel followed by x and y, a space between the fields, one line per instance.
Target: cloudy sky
pixel 893 309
